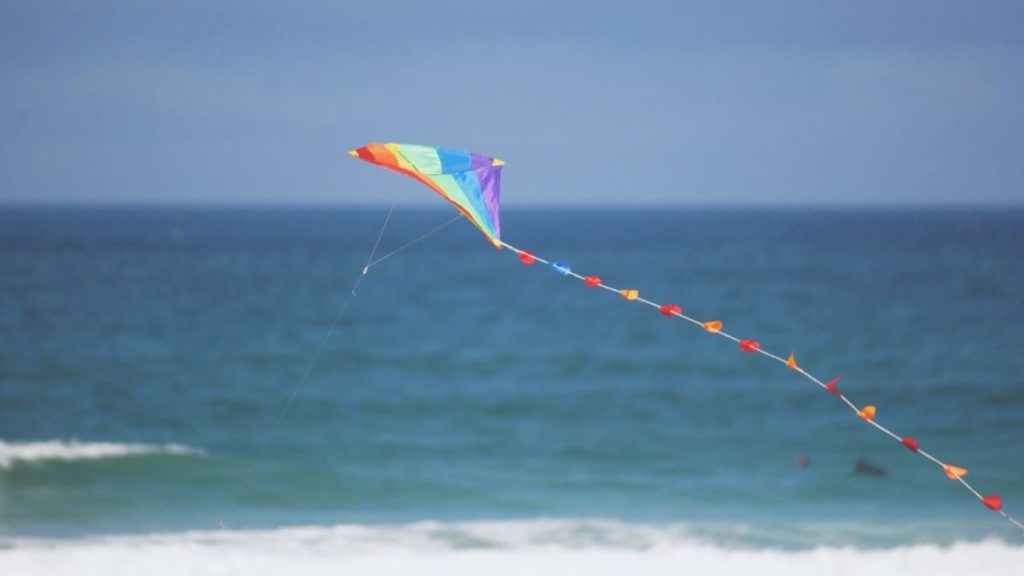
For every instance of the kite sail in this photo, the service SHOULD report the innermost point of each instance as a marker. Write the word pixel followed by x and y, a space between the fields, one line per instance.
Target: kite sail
pixel 471 181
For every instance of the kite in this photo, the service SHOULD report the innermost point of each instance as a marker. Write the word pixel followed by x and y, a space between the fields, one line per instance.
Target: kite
pixel 471 183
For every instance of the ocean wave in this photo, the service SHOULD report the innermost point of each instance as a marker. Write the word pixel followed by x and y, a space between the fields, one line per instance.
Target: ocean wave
pixel 499 547
pixel 13 453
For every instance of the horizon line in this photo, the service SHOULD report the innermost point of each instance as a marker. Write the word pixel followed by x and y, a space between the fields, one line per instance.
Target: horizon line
pixel 420 205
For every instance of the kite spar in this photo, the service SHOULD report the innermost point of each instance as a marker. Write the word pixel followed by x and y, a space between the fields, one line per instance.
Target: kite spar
pixel 471 183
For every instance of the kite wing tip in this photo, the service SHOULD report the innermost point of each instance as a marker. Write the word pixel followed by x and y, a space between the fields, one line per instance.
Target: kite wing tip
pixel 353 153
pixel 498 162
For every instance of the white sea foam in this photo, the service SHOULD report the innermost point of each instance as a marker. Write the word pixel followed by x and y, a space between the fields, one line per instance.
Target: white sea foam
pixel 12 453
pixel 494 548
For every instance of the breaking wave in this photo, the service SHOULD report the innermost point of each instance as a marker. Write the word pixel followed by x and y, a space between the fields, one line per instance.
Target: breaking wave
pixel 498 548
pixel 14 453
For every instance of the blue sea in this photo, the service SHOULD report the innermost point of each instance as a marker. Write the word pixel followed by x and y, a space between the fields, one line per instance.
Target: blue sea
pixel 161 409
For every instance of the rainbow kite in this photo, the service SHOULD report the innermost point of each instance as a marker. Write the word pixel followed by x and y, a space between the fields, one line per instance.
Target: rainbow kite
pixel 471 183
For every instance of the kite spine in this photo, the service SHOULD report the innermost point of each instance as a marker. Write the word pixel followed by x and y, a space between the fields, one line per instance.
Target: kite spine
pixel 867 413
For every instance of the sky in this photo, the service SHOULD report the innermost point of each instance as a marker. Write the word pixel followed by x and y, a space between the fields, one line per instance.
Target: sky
pixel 607 103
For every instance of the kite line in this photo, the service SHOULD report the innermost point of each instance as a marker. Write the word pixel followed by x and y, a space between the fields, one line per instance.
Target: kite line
pixel 294 394
pixel 371 261
pixel 419 239
pixel 471 183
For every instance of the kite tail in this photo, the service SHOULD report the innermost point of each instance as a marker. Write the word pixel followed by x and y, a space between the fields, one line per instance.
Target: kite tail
pixel 866 413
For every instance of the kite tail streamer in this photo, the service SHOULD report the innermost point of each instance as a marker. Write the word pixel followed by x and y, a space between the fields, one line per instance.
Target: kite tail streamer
pixel 866 413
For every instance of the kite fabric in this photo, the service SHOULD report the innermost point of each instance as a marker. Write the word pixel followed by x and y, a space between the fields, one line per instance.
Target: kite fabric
pixel 471 182
pixel 428 164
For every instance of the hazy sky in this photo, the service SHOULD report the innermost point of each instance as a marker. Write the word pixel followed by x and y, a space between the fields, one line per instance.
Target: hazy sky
pixel 588 102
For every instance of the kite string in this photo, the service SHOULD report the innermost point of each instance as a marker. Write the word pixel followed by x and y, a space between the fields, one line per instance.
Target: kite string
pixel 375 246
pixel 808 375
pixel 316 355
pixel 409 244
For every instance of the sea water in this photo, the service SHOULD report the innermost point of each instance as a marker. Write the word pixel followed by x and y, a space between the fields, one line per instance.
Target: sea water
pixel 469 414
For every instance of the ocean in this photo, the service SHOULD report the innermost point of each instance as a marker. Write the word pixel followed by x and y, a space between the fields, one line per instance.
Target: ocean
pixel 467 414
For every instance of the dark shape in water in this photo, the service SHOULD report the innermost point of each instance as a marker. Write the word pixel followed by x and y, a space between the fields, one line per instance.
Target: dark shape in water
pixel 868 469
